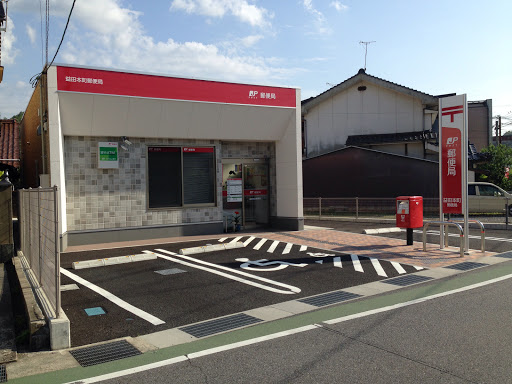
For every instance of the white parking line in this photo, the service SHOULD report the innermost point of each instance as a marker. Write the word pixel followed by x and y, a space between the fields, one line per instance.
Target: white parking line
pixel 235 239
pixel 272 248
pixel 357 263
pixel 116 300
pixel 378 268
pixel 246 242
pixel 230 273
pixel 288 248
pixel 303 248
pixel 258 246
pixel 223 239
pixel 337 262
pixel 398 267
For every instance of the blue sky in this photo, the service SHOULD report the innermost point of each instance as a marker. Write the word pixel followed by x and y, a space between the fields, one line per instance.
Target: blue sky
pixel 436 47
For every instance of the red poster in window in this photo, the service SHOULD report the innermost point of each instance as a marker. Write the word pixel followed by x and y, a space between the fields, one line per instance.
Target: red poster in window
pixel 451 168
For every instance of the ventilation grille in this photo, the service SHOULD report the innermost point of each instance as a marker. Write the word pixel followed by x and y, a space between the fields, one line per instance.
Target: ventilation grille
pixel 103 353
pixel 212 327
pixel 404 281
pixel 466 266
pixel 329 298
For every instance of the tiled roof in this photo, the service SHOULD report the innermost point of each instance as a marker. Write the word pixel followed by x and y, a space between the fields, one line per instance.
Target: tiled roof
pixel 9 143
pixel 362 76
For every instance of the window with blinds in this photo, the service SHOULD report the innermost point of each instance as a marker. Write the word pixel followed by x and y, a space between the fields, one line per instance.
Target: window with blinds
pixel 181 176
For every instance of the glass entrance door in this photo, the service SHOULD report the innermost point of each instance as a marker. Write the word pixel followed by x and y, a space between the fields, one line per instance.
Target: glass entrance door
pixel 245 191
pixel 256 193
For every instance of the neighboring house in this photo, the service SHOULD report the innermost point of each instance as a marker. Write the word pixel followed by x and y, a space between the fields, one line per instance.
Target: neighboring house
pixel 480 123
pixel 10 148
pixel 139 156
pixel 361 172
pixel 371 113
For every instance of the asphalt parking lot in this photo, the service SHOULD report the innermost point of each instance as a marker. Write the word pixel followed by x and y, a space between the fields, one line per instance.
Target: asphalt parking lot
pixel 174 290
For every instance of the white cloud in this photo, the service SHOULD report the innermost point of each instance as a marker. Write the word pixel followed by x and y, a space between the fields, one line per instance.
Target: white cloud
pixel 114 37
pixel 241 9
pixel 9 51
pixel 14 97
pixel 249 41
pixel 338 6
pixel 319 20
pixel 31 32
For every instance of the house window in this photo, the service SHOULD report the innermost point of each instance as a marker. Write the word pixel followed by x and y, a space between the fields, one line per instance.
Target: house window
pixel 181 176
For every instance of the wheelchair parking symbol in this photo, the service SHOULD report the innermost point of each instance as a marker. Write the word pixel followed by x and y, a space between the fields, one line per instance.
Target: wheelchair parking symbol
pixel 259 265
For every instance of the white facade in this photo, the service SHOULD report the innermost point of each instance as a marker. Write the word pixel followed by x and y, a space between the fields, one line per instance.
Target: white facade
pixel 365 105
pixel 112 203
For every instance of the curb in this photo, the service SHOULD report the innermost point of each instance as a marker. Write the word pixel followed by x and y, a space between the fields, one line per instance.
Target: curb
pixel 211 248
pixel 113 261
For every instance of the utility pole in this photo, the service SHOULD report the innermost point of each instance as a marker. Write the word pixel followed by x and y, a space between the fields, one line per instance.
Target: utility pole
pixel 499 125
pixel 365 43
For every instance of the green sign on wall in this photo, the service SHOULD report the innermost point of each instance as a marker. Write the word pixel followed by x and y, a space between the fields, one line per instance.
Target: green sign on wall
pixel 108 155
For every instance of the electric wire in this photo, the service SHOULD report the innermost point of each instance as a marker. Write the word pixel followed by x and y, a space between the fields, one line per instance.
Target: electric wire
pixel 63 33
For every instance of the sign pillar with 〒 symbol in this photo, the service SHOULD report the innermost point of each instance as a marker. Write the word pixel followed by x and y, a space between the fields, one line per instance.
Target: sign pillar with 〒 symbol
pixel 453 159
pixel 108 155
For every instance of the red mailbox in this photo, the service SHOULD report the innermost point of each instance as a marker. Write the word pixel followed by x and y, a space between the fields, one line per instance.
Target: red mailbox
pixel 409 211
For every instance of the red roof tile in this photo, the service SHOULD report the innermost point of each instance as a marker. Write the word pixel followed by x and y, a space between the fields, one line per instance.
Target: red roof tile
pixel 9 143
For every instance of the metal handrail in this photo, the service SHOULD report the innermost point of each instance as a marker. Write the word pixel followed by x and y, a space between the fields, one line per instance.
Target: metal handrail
pixel 482 232
pixel 445 223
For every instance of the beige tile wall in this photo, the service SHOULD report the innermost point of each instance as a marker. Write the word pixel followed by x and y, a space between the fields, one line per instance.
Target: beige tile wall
pixel 116 198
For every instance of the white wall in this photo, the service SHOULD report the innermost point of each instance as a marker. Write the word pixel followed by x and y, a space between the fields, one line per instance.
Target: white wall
pixel 376 110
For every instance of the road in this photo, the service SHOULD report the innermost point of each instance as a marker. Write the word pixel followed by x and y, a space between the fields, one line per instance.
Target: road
pixel 464 337
pixel 175 290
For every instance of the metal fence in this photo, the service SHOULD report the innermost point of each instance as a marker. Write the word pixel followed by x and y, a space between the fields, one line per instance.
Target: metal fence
pixel 38 222
pixel 383 208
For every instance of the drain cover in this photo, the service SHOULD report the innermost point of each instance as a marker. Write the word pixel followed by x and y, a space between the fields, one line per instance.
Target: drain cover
pixel 212 327
pixel 506 255
pixel 466 266
pixel 3 374
pixel 329 298
pixel 103 353
pixel 94 311
pixel 403 281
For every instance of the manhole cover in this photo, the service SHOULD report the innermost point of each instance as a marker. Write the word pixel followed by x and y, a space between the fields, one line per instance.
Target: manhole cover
pixel 466 266
pixel 329 298
pixel 103 353
pixel 403 281
pixel 212 327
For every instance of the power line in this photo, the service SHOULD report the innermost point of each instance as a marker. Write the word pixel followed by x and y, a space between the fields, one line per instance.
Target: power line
pixel 63 33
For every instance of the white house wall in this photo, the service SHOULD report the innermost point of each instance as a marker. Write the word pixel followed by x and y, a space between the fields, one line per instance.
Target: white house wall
pixel 376 110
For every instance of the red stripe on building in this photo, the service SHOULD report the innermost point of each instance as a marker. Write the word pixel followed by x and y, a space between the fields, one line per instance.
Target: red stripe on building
pixel 97 81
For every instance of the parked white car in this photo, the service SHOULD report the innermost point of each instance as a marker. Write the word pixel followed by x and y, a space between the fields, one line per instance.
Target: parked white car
pixel 487 198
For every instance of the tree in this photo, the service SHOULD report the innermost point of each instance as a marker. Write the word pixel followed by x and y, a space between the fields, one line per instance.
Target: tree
pixel 18 117
pixel 501 158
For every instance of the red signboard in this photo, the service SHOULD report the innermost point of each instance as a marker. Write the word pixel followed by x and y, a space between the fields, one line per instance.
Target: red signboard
pixel 85 80
pixel 255 192
pixel 452 164
pixel 452 170
pixel 197 149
